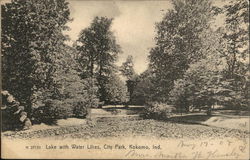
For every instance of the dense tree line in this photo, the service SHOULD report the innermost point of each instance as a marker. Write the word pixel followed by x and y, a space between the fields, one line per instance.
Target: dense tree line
pixel 32 41
pixel 49 78
pixel 178 42
pixel 39 69
pixel 196 64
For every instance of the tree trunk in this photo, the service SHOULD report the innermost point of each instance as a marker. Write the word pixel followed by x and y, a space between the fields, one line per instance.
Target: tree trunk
pixel 209 111
pixel 91 69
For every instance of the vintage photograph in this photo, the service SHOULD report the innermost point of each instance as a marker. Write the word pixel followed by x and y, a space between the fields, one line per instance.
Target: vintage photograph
pixel 125 79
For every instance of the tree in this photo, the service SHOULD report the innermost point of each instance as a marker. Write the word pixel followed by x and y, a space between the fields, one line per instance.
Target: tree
pixel 204 83
pixel 127 70
pixel 116 90
pixel 144 88
pixel 32 40
pixel 178 42
pixel 237 47
pixel 72 96
pixel 98 51
pixel 180 93
pixel 237 28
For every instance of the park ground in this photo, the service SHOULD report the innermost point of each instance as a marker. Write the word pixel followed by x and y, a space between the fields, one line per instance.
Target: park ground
pixel 121 122
pixel 225 135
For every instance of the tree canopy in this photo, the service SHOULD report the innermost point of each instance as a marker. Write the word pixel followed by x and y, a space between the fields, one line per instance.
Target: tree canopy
pixel 32 42
pixel 98 51
pixel 178 42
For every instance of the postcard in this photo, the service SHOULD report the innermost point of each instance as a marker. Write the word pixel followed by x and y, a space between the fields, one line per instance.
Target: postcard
pixel 125 79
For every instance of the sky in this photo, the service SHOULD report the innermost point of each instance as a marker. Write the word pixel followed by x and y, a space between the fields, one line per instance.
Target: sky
pixel 133 24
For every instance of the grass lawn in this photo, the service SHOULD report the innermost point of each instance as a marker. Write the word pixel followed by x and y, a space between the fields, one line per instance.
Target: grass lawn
pixel 130 126
pixel 126 122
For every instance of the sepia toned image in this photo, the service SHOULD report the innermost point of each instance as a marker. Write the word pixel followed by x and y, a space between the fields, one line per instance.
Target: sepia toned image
pixel 125 79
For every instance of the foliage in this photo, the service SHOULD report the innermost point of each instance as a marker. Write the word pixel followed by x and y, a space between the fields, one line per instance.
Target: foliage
pixel 88 99
pixel 237 49
pixel 178 42
pixel 43 69
pixel 201 76
pixel 236 36
pixel 207 67
pixel 97 47
pixel 116 90
pixel 74 98
pixel 80 110
pixel 180 93
pixel 127 70
pixel 32 42
pixel 52 110
pixel 158 110
pixel 144 88
pixel 205 83
pixel 98 51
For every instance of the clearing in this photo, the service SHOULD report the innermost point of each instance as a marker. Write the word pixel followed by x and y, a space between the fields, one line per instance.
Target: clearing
pixel 121 122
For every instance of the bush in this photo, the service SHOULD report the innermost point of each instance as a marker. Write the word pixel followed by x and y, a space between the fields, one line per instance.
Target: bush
pixel 87 99
pixel 56 109
pixel 80 110
pixel 73 100
pixel 51 111
pixel 158 110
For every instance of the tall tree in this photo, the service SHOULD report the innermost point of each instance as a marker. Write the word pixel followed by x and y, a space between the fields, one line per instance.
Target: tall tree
pixel 98 51
pixel 202 84
pixel 32 40
pixel 237 36
pixel 127 70
pixel 237 47
pixel 205 82
pixel 178 42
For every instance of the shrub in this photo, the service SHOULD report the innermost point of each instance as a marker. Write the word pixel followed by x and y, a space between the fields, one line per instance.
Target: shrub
pixel 80 110
pixel 51 111
pixel 158 110
pixel 87 99
pixel 73 100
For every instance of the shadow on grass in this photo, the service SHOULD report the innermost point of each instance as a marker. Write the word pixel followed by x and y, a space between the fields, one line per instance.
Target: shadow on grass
pixel 189 119
pixel 128 111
